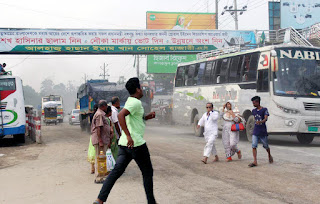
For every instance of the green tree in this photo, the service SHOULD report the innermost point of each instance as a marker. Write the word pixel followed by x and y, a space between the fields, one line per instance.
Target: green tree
pixel 31 97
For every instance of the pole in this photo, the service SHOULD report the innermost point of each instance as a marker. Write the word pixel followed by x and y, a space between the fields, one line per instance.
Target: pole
pixel 217 14
pixel 104 70
pixel 236 14
pixel 138 73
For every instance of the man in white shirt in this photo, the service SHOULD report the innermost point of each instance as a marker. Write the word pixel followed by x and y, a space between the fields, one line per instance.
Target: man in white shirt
pixel 209 121
pixel 114 117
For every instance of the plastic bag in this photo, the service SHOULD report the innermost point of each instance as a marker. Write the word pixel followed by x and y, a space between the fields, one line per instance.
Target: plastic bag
pixel 110 160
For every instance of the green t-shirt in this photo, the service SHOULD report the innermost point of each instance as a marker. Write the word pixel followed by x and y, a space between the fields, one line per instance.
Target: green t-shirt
pixel 135 123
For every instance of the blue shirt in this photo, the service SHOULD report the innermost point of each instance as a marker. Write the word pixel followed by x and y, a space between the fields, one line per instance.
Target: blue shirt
pixel 260 130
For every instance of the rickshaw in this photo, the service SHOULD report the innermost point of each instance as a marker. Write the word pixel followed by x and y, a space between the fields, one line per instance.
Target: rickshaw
pixel 50 112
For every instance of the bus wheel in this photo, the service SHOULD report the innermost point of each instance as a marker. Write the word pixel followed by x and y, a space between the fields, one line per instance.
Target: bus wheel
pixel 305 138
pixel 250 127
pixel 197 132
pixel 20 138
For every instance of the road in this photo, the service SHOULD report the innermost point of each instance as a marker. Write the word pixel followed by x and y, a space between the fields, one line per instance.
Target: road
pixel 57 171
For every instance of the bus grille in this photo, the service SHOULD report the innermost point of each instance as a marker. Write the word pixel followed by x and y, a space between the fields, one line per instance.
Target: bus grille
pixel 312 106
pixel 313 123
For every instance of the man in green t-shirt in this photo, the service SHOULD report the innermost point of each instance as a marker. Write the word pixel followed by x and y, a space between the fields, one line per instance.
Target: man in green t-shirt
pixel 131 143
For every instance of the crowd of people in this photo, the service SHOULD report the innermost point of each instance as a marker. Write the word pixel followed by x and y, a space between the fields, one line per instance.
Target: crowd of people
pixel 123 133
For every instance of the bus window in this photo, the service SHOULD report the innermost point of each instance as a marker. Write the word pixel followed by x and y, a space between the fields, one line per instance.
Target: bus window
pixel 186 76
pixel 250 67
pixel 180 77
pixel 217 68
pixel 190 75
pixel 263 81
pixel 233 70
pixel 196 75
pixel 201 74
pixel 208 72
pixel 223 71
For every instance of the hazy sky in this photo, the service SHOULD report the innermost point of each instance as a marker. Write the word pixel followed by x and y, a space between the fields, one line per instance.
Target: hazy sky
pixel 102 14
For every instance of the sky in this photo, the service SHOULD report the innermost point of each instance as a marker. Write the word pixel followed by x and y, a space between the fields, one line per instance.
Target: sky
pixel 102 14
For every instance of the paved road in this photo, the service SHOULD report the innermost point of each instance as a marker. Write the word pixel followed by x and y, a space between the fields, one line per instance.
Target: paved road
pixel 57 171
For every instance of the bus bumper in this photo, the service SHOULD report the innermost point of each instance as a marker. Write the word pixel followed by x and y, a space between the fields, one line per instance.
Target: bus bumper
pixel 13 131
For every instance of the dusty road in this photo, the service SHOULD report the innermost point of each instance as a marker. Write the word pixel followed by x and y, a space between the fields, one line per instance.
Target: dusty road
pixel 57 171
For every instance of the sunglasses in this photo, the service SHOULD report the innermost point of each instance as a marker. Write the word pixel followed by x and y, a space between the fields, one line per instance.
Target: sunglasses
pixel 208 107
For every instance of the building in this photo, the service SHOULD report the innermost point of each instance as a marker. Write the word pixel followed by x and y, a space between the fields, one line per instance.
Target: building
pixel 274 15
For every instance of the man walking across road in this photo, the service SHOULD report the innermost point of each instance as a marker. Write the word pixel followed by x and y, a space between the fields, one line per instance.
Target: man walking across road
pixel 114 118
pixel 209 121
pixel 131 143
pixel 100 135
pixel 260 130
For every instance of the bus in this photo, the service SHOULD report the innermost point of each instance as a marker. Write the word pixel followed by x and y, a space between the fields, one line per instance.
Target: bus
pixel 57 99
pixel 12 114
pixel 286 77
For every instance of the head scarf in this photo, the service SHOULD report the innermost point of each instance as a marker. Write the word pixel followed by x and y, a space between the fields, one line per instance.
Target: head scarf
pixel 177 22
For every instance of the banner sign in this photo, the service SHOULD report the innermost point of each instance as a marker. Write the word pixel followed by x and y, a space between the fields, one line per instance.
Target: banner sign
pixel 167 63
pixel 37 41
pixel 299 13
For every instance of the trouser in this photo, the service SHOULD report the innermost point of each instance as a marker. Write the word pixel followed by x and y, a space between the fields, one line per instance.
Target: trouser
pixel 142 158
pixel 210 147
pixel 230 140
pixel 98 149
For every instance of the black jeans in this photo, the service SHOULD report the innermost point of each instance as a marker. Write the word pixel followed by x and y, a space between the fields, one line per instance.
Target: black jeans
pixel 142 157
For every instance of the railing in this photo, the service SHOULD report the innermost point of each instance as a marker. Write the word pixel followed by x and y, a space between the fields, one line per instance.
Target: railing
pixel 312 34
pixel 213 53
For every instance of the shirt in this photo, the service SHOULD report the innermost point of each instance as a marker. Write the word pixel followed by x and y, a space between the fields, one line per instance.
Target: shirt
pixel 114 118
pixel 260 130
pixel 135 123
pixel 210 123
pixel 99 120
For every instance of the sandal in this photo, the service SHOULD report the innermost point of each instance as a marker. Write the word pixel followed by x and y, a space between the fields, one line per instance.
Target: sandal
pixel 239 154
pixel 229 159
pixel 252 165
pixel 271 160
pixel 98 181
pixel 204 161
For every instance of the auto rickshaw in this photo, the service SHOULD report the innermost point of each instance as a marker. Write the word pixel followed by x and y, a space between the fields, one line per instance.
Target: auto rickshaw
pixel 50 112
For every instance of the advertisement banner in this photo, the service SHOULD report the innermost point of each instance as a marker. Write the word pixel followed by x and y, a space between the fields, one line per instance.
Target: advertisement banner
pixel 167 63
pixel 299 13
pixel 176 21
pixel 37 41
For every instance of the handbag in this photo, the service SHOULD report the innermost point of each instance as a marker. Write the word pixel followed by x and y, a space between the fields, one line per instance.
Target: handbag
pixel 110 160
pixel 237 127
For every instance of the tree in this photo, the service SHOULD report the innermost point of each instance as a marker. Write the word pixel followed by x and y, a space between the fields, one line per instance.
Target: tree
pixel 46 87
pixel 31 97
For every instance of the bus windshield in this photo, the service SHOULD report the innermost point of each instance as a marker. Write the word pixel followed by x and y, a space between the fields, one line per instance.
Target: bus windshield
pixel 298 73
pixel 7 85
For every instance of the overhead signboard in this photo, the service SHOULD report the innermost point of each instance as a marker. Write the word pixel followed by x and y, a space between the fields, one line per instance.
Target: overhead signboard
pixel 181 21
pixel 299 14
pixel 38 41
pixel 176 21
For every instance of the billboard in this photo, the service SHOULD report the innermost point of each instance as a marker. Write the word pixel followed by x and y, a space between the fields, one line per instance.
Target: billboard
pixel 176 21
pixel 71 41
pixel 299 13
pixel 181 21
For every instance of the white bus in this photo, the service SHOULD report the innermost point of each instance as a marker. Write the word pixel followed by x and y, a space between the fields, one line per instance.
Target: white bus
pixel 57 99
pixel 287 78
pixel 12 114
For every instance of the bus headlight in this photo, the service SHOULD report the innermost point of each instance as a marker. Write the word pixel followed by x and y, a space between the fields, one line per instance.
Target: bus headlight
pixel 288 110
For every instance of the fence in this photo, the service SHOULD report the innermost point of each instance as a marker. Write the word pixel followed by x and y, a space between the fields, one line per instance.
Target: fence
pixel 33 127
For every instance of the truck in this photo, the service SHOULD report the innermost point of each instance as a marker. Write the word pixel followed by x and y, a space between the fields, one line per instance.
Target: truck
pixel 91 92
pixel 57 99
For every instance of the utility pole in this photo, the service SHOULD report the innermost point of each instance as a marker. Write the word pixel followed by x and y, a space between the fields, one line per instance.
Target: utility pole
pixel 105 73
pixel 138 71
pixel 233 10
pixel 217 14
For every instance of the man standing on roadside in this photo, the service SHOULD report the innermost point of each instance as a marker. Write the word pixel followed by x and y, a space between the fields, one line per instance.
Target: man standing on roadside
pixel 131 143
pixel 114 118
pixel 100 135
pixel 260 130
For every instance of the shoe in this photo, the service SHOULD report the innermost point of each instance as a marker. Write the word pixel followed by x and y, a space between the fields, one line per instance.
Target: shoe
pixel 239 154
pixel 229 159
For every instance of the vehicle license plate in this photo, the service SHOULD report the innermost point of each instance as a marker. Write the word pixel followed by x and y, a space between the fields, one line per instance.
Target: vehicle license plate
pixel 313 129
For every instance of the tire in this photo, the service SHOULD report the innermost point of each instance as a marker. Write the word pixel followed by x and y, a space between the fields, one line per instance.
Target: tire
pixel 305 138
pixel 197 132
pixel 20 138
pixel 249 127
pixel 60 120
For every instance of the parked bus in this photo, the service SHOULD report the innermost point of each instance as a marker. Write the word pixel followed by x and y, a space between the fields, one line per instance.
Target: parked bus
pixel 57 99
pixel 12 114
pixel 285 77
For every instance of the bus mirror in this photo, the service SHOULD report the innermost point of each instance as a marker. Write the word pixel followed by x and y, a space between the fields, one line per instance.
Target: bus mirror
pixel 273 53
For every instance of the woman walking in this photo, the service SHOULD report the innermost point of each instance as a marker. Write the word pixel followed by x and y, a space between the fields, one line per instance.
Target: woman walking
pixel 230 138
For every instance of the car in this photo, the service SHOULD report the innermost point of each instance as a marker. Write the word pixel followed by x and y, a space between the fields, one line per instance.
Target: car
pixel 74 116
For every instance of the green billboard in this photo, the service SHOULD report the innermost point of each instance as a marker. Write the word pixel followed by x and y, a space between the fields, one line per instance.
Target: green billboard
pixel 167 63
